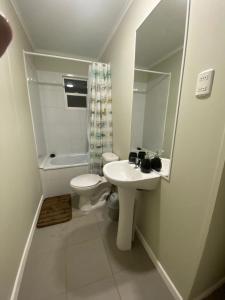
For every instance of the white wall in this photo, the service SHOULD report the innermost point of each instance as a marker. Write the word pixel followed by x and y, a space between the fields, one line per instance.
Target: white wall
pixel 36 110
pixel 212 266
pixel 20 186
pixel 65 129
pixel 175 218
pixel 51 64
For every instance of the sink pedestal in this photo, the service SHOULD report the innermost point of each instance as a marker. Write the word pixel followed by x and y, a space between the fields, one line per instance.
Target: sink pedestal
pixel 129 180
pixel 126 216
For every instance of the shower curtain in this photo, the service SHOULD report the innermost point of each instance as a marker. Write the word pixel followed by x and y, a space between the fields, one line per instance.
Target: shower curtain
pixel 100 115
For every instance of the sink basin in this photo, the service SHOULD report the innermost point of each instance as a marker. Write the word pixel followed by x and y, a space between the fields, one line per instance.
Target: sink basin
pixel 123 174
pixel 128 179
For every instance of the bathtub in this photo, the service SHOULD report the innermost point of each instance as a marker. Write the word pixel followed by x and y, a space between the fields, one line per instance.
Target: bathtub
pixel 57 172
pixel 64 161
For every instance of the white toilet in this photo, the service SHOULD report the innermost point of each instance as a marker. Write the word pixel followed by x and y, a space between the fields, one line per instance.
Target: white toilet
pixel 92 188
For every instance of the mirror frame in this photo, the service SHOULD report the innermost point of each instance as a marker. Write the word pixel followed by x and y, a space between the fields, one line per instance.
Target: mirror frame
pixel 167 178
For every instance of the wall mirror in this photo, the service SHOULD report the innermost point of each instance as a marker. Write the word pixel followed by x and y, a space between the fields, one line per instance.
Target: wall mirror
pixel 159 61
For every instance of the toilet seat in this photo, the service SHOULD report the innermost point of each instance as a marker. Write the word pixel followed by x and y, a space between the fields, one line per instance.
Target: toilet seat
pixel 86 181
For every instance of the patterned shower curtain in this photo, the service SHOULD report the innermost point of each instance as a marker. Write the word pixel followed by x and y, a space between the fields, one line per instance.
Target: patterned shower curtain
pixel 100 115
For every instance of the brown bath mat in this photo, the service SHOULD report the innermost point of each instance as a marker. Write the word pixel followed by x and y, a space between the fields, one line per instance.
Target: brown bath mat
pixel 55 210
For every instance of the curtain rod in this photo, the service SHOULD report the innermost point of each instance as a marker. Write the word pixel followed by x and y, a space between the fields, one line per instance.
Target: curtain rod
pixel 154 72
pixel 60 57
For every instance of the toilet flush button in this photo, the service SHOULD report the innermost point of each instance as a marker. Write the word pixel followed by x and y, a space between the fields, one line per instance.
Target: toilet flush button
pixel 204 83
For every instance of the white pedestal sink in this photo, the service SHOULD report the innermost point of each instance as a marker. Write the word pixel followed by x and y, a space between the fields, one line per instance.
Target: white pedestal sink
pixel 128 179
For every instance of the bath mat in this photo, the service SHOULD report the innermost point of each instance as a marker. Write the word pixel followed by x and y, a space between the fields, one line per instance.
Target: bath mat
pixel 55 210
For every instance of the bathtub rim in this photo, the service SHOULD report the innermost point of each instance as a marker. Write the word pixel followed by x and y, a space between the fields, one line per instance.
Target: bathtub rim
pixel 45 164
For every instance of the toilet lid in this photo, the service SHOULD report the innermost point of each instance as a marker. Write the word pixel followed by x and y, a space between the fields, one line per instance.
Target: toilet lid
pixel 85 180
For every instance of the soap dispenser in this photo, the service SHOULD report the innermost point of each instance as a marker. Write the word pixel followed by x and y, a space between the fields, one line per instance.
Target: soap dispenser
pixel 156 163
pixel 146 164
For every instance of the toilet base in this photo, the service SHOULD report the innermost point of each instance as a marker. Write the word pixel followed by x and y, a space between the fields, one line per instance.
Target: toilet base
pixel 83 202
pixel 87 204
pixel 86 208
pixel 92 189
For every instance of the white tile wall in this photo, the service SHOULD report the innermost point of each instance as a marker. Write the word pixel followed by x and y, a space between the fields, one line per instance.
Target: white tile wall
pixel 36 109
pixel 138 112
pixel 149 113
pixel 155 113
pixel 65 129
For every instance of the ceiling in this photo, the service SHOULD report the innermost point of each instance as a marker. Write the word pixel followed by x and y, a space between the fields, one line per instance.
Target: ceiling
pixel 162 33
pixel 71 27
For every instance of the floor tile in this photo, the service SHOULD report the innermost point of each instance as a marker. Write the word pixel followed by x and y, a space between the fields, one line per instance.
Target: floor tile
pixel 102 214
pixel 48 239
pixel 135 260
pixel 44 276
pixel 81 229
pixel 48 296
pixel 105 224
pixel 86 263
pixel 102 290
pixel 219 294
pixel 79 260
pixel 142 286
pixel 75 231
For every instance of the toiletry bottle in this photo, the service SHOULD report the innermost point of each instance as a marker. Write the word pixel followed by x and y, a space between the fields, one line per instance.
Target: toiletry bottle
pixel 156 163
pixel 146 164
pixel 141 155
pixel 132 157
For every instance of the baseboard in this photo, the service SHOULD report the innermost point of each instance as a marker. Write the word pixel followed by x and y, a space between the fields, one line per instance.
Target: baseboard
pixel 210 290
pixel 22 264
pixel 159 267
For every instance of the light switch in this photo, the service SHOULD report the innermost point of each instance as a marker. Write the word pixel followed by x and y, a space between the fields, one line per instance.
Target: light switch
pixel 204 83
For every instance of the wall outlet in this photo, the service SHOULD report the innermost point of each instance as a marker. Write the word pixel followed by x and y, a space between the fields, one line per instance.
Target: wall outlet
pixel 204 83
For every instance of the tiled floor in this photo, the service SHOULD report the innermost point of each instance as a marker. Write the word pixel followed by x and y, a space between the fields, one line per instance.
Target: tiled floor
pixel 219 294
pixel 79 260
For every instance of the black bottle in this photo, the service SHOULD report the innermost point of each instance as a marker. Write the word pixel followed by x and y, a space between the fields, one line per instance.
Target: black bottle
pixel 132 157
pixel 156 163
pixel 146 165
pixel 141 155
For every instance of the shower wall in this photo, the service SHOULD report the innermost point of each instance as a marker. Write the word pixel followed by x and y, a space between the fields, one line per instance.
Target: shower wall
pixel 149 111
pixel 65 128
pixel 138 111
pixel 155 112
pixel 35 106
pixel 58 129
pixel 172 64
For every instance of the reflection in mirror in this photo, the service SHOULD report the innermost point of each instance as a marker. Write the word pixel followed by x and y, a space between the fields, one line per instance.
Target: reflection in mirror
pixel 158 65
pixel 151 93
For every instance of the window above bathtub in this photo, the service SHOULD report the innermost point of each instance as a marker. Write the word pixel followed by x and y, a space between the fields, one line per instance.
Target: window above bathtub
pixel 75 92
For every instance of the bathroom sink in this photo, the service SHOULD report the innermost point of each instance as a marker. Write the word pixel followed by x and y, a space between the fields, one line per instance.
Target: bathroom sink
pixel 128 179
pixel 123 174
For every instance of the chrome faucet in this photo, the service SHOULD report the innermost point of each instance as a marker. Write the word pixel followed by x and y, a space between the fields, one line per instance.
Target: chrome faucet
pixel 137 162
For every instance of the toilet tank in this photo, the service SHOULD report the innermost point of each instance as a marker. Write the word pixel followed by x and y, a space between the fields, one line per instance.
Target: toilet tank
pixel 109 157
